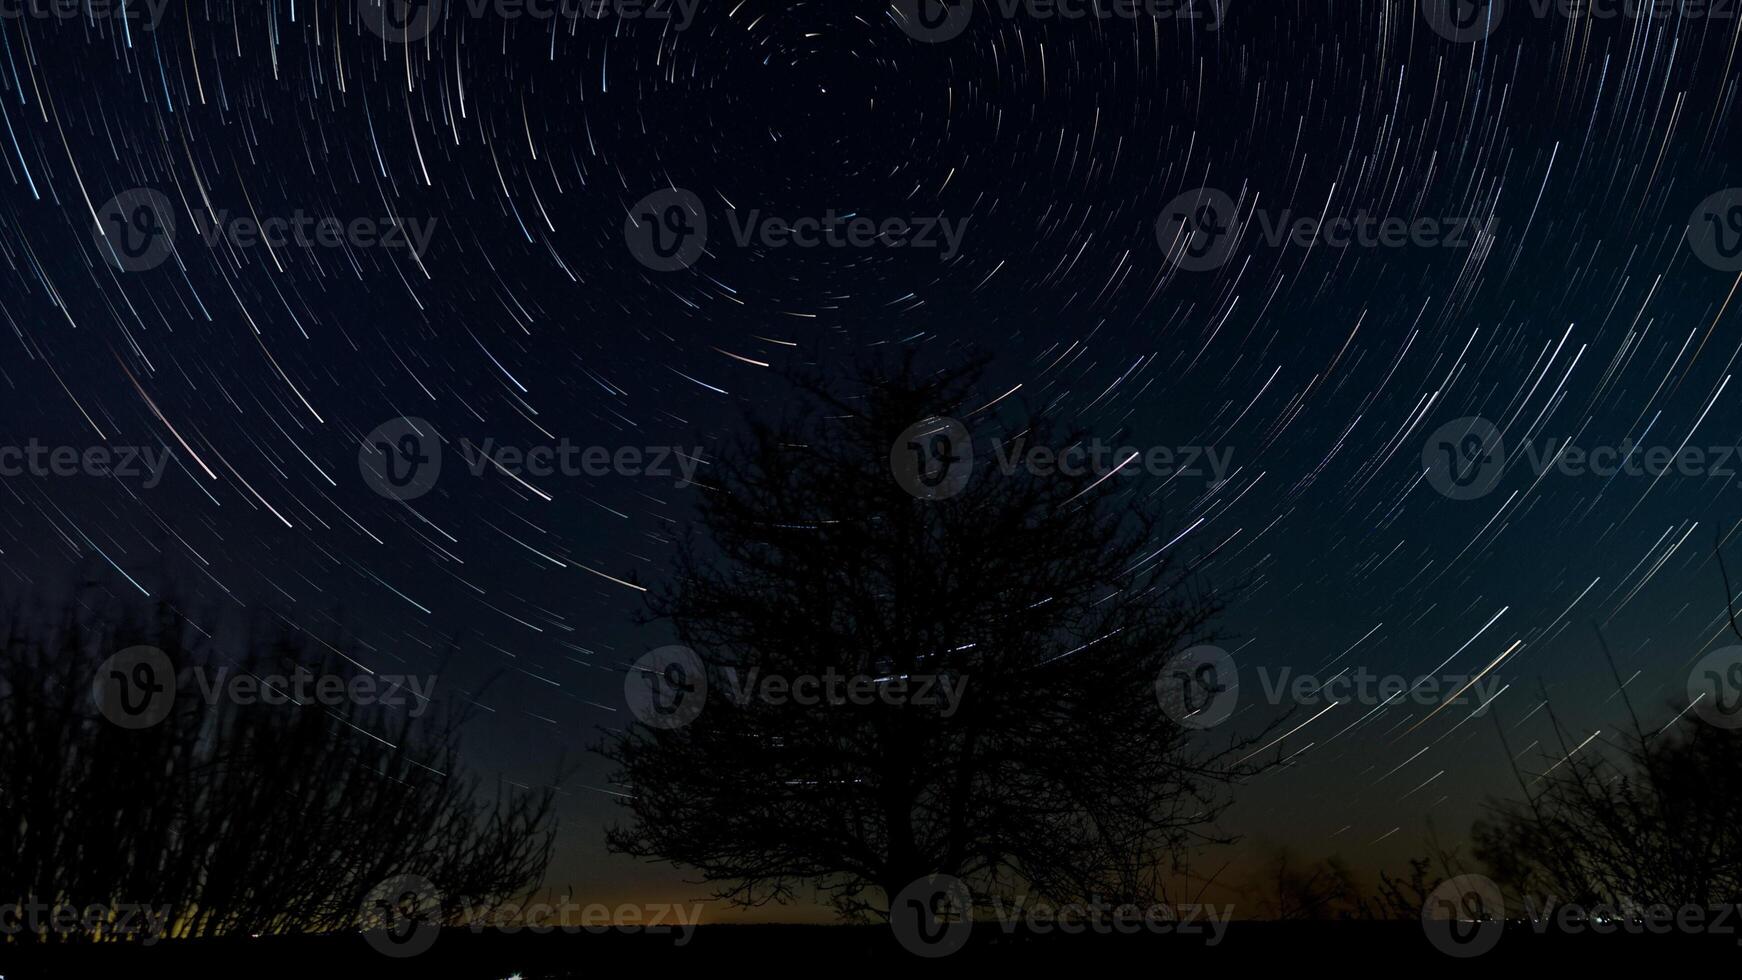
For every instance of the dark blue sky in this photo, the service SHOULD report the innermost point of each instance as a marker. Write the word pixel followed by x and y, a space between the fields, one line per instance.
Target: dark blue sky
pixel 1560 165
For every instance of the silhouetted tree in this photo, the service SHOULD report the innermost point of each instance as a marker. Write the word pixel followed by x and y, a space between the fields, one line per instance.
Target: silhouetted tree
pixel 1051 601
pixel 241 819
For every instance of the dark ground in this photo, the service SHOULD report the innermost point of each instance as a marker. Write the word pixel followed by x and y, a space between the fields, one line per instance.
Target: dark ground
pixel 826 950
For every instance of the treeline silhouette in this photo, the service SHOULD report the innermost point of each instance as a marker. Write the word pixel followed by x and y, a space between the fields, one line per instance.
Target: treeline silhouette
pixel 256 819
pixel 1629 821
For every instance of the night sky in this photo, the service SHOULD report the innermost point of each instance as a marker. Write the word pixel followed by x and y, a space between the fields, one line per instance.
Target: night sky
pixel 1563 159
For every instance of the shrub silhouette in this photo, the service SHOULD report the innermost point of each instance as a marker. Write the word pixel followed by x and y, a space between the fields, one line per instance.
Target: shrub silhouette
pixel 1655 820
pixel 240 819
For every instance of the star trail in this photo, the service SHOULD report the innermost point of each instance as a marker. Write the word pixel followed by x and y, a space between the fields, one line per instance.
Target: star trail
pixel 1417 321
